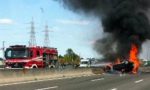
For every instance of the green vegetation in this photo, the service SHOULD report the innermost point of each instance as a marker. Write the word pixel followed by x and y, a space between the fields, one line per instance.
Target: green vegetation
pixel 70 58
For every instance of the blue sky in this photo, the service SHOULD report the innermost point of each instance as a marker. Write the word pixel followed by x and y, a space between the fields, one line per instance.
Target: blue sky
pixel 67 29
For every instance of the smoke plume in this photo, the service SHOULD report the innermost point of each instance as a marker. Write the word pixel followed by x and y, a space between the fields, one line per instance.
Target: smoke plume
pixel 125 22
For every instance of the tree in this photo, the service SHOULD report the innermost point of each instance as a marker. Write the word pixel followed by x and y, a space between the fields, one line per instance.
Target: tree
pixel 61 61
pixel 69 51
pixel 71 57
pixel 60 57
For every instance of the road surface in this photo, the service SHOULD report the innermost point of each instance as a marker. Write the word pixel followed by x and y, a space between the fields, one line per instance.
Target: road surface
pixel 95 82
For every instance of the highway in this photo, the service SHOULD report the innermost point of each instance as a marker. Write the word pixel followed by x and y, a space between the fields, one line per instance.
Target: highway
pixel 94 82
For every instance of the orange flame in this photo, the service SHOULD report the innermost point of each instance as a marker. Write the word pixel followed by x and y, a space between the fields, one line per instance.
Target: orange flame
pixel 134 58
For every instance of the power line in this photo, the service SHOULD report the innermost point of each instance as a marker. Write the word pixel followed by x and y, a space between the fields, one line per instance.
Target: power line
pixel 46 39
pixel 32 41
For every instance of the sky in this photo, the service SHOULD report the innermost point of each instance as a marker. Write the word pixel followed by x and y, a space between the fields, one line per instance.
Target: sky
pixel 66 28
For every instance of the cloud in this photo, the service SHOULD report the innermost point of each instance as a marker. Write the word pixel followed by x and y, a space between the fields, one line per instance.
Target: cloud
pixel 73 22
pixel 6 21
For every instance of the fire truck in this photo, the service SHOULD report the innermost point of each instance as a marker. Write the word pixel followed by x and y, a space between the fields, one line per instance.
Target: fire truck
pixel 21 56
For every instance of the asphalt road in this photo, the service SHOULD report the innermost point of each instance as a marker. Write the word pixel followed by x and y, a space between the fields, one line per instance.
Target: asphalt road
pixel 96 82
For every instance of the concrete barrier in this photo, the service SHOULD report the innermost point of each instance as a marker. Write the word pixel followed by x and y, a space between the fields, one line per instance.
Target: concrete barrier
pixel 15 75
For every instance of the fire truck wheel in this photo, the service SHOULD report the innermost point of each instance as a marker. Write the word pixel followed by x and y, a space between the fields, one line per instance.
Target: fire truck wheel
pixel 51 66
pixel 34 66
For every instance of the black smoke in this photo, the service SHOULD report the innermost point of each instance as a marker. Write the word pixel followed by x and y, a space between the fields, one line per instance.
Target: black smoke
pixel 124 22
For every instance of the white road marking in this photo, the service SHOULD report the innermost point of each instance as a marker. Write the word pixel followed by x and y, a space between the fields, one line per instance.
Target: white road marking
pixel 47 88
pixel 138 81
pixel 114 89
pixel 97 79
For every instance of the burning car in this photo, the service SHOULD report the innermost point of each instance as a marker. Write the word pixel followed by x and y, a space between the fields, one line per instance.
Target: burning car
pixel 124 67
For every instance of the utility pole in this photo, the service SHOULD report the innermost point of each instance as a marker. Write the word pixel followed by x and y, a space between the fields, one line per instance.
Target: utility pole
pixel 46 39
pixel 32 41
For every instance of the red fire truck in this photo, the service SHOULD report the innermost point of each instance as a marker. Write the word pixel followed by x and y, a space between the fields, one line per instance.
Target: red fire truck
pixel 21 56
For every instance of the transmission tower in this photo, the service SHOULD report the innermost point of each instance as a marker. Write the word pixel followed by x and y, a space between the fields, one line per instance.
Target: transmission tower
pixel 46 39
pixel 32 41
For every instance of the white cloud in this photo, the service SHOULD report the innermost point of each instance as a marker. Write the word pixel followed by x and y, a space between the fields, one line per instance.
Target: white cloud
pixel 73 22
pixel 6 21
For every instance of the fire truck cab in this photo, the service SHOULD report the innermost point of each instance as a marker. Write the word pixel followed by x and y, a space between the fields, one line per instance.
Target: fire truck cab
pixel 21 56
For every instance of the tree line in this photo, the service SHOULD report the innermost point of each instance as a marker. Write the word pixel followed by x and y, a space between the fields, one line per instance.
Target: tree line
pixel 70 58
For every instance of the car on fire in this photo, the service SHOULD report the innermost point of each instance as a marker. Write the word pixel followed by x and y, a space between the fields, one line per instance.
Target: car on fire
pixel 124 67
pixel 108 67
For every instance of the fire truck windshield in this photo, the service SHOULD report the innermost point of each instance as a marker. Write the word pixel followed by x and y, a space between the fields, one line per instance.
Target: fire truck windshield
pixel 16 53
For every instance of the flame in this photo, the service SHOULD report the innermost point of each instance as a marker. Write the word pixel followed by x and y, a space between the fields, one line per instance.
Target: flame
pixel 134 58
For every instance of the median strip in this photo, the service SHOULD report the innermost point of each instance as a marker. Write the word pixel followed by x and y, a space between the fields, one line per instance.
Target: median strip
pixel 42 80
pixel 13 76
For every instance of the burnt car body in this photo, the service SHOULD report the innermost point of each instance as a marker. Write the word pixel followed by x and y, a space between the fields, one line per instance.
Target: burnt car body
pixel 124 67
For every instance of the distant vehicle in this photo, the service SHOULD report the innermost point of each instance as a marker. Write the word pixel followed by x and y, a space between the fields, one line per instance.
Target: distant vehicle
pixel 84 63
pixel 21 56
